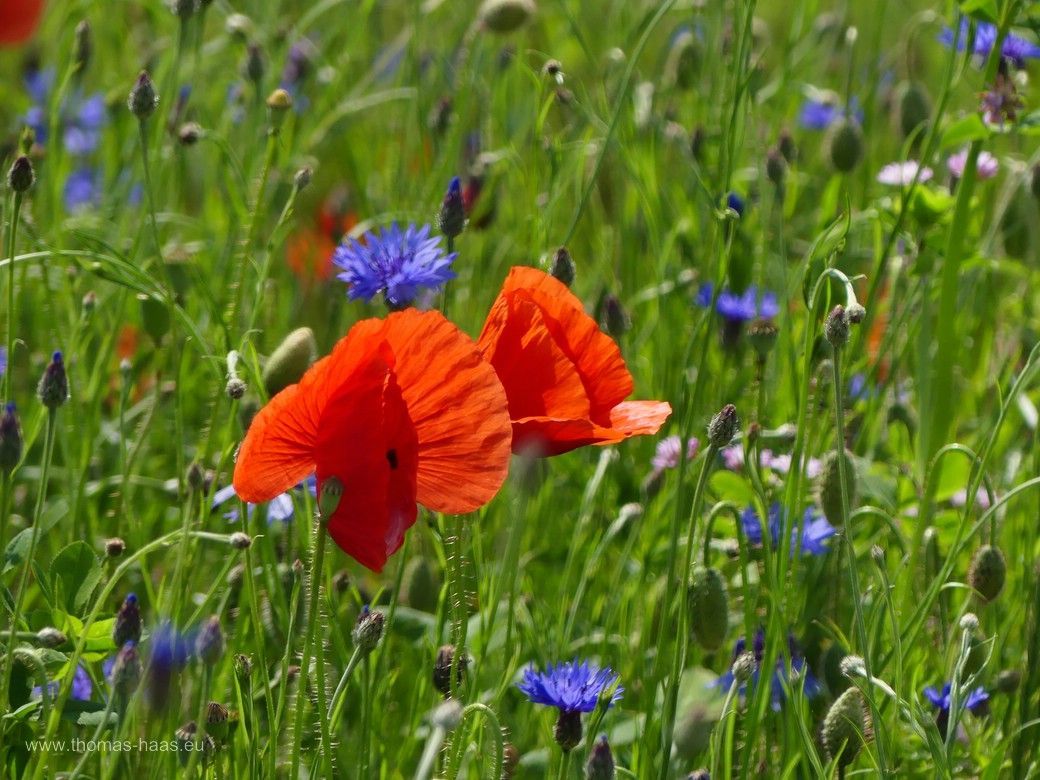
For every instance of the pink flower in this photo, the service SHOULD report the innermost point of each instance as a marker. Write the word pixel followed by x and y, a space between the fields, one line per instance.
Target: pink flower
pixel 669 449
pixel 986 167
pixel 960 498
pixel 901 174
pixel 733 457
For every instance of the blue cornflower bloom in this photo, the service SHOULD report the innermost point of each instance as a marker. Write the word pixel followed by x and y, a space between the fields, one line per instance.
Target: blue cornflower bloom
pixel 819 114
pixel 802 677
pixel 739 308
pixel 82 687
pixel 3 360
pixel 736 202
pixel 569 686
pixel 394 262
pixel 82 117
pixel 815 530
pixel 279 508
pixel 975 702
pixel 82 189
pixel 83 130
pixel 1016 50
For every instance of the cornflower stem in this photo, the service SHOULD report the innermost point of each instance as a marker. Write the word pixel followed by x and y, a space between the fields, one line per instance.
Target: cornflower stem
pixel 200 721
pixel 338 701
pixel 681 642
pixel 12 234
pixel 153 220
pixel 34 539
pixel 956 705
pixel 565 765
pixel 258 632
pixel 97 735
pixel 314 589
pixel 265 268
pixel 251 230
pixel 862 639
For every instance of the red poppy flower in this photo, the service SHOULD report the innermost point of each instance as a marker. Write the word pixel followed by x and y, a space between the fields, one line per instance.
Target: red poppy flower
pixel 18 20
pixel 565 379
pixel 403 410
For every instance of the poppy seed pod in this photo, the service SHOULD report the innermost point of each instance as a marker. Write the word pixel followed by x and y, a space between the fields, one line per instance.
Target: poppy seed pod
pixel 505 16
pixel 562 266
pixel 845 145
pixel 723 427
pixel 846 726
pixel 987 572
pixel 708 607
pixel 290 360
pixel 830 486
pixel 143 98
pixel 21 176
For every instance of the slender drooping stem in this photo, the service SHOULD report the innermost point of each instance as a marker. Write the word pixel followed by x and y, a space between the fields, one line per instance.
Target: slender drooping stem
pixel 338 700
pixel 12 234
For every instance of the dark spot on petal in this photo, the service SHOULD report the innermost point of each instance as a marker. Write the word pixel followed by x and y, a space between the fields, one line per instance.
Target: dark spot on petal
pixel 391 458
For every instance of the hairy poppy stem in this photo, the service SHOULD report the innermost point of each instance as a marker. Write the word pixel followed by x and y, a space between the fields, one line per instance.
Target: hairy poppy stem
pixel 682 631
pixel 314 589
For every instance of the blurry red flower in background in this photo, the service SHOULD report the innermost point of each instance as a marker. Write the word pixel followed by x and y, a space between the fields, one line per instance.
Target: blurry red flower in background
pixel 403 410
pixel 565 378
pixel 309 252
pixel 18 20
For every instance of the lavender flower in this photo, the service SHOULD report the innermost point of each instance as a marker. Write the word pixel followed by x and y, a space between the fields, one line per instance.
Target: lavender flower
pixel 801 675
pixel 986 166
pixel 1015 49
pixel 569 686
pixel 669 452
pixel 820 113
pixel 902 174
pixel 395 263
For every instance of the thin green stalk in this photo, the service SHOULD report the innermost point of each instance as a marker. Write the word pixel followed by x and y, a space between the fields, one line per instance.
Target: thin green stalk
pixel 153 220
pixel 338 701
pixel 12 234
pixel 314 589
pixel 109 705
pixel 681 641
pixel 258 633
pixel 23 585
pixel 565 765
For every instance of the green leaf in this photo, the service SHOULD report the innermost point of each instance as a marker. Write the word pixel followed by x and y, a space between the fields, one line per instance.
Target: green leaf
pixel 728 486
pixel 77 571
pixel 980 10
pixel 964 131
pixel 17 549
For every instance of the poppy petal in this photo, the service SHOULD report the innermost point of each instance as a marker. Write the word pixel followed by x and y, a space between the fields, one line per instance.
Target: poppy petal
pixel 637 418
pixel 596 357
pixel 367 441
pixel 18 20
pixel 458 407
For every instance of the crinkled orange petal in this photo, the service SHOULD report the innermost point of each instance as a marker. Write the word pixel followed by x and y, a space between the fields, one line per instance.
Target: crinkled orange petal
pixel 458 407
pixel 639 418
pixel 546 436
pixel 367 441
pixel 541 379
pixel 18 20
pixel 596 357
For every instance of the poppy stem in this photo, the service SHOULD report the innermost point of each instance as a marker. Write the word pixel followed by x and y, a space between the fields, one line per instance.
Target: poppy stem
pixel 12 234
pixel 314 589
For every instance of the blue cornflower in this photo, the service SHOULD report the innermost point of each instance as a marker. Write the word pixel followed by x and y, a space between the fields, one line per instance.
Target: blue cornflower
pixel 3 360
pixel 82 117
pixel 736 202
pixel 569 686
pixel 975 702
pixel 82 189
pixel 739 308
pixel 819 114
pixel 170 652
pixel 83 130
pixel 802 675
pixel 394 262
pixel 82 687
pixel 1016 50
pixel 279 508
pixel 814 530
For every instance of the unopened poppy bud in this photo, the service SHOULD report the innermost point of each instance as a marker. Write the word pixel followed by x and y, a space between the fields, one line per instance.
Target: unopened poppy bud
pixel 505 16
pixel 329 496
pixel 600 765
pixel 368 630
pixel 762 335
pixel 913 107
pixel 243 667
pixel 255 66
pixel 987 572
pixel 448 715
pixel 451 219
pixel 10 439
pixel 143 98
pixel 776 168
pixel 83 47
pixel 442 669
pixel 846 726
pixel 563 267
pixel 189 133
pixel 845 145
pixel 567 731
pixel 114 547
pixel 279 102
pixel 420 584
pixel 290 360
pixel 235 388
pixel 127 627
pixel 852 666
pixel 723 426
pixel 21 176
pixel 708 607
pixel 126 671
pixel 615 319
pixel 51 637
pixel 830 486
pixel 743 667
pixel 209 644
pixel 302 178
pixel 836 327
